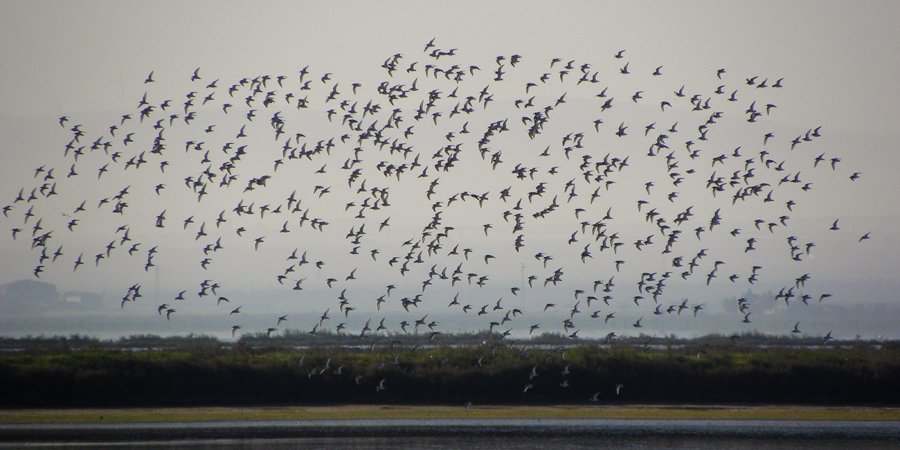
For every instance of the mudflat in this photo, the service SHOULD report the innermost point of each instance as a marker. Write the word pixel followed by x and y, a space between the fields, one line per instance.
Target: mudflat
pixel 349 412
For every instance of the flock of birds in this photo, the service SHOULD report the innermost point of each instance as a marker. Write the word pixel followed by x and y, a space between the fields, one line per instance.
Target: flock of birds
pixel 566 189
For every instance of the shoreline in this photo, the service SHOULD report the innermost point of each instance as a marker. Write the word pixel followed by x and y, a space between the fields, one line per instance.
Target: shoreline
pixel 411 412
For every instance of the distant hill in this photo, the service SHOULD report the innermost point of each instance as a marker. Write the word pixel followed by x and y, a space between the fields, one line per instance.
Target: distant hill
pixel 32 296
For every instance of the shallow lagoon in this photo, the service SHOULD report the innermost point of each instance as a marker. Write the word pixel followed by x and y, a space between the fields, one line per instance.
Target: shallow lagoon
pixel 461 433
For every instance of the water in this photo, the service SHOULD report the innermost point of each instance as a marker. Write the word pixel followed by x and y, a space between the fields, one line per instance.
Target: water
pixel 461 434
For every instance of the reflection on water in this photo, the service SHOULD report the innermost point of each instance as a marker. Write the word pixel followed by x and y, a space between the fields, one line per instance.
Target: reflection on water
pixel 484 444
pixel 489 434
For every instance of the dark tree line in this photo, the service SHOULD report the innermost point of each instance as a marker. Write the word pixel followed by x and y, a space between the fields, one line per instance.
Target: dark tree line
pixel 211 373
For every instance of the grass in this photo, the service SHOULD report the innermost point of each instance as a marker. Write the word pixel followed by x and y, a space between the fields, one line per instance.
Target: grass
pixel 350 412
pixel 490 374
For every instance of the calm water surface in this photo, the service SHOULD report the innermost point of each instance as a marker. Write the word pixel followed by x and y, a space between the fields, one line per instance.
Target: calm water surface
pixel 492 434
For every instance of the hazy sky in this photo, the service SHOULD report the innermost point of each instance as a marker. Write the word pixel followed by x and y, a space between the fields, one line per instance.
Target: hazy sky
pixel 88 61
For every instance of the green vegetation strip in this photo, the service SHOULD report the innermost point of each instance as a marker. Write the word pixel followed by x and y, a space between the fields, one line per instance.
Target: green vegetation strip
pixel 619 376
pixel 349 412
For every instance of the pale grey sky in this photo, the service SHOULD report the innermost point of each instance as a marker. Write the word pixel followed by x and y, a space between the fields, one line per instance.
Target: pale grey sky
pixel 88 61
